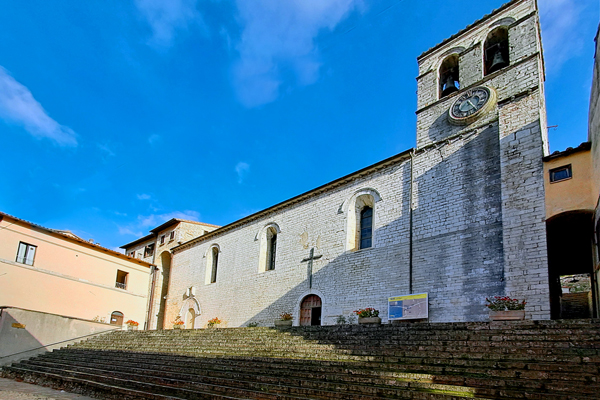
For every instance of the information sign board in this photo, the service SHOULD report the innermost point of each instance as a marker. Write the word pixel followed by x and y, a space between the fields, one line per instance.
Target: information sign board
pixel 410 306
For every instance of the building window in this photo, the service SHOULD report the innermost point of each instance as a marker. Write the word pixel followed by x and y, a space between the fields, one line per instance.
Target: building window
pixel 172 236
pixel 495 52
pixel 366 227
pixel 132 254
pixel 212 263
pixel 26 253
pixel 149 250
pixel 121 282
pixel 449 79
pixel 272 246
pixel 561 173
pixel 162 239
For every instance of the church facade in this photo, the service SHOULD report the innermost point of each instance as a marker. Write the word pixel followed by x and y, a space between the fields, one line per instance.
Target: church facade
pixel 460 217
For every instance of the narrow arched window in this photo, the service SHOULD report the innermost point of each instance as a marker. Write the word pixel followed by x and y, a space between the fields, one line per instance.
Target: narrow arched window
pixel 272 248
pixel 215 263
pixel 449 78
pixel 366 227
pixel 496 51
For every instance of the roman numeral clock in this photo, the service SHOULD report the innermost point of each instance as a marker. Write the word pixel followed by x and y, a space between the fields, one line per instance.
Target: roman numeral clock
pixel 471 105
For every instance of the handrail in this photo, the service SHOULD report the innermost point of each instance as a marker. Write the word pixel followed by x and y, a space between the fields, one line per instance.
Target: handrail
pixel 62 341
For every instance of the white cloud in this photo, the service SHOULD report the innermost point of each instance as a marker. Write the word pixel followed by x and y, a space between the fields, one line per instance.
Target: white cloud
pixel 242 169
pixel 18 106
pixel 143 196
pixel 279 35
pixel 107 150
pixel 143 223
pixel 154 139
pixel 167 16
pixel 560 34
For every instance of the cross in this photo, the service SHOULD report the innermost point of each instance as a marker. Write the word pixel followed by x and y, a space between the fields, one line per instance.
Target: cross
pixel 310 264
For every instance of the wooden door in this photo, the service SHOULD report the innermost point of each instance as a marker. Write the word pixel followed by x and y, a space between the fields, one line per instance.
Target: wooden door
pixel 309 302
pixel 116 318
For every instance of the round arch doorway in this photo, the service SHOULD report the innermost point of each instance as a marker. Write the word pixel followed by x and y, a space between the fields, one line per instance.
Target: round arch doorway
pixel 310 310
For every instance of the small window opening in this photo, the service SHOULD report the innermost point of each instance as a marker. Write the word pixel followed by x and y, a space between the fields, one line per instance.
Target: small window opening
pixel 172 236
pixel 132 254
pixel 449 79
pixel 561 173
pixel 26 253
pixel 149 250
pixel 162 239
pixel 215 263
pixel 272 250
pixel 366 227
pixel 496 53
pixel 121 282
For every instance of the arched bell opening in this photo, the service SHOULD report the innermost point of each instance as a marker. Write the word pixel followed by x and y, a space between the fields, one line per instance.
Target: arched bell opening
pixel 448 76
pixel 570 265
pixel 496 50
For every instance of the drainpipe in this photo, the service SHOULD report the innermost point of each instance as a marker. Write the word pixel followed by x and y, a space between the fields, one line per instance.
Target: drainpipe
pixel 410 225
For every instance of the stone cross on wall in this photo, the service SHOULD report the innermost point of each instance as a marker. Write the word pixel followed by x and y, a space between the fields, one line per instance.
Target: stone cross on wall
pixel 310 260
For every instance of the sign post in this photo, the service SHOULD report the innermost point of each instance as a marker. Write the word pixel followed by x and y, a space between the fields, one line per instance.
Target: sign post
pixel 410 306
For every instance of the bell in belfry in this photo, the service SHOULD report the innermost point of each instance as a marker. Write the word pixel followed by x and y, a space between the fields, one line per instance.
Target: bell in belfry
pixel 498 62
pixel 449 85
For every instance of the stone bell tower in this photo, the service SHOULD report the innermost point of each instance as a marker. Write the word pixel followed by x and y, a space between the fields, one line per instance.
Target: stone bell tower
pixel 478 174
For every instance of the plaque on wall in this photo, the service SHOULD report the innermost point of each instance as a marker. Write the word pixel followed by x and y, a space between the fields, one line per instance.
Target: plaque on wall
pixel 410 306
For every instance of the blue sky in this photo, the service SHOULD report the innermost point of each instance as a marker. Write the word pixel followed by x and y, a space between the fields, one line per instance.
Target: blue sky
pixel 116 116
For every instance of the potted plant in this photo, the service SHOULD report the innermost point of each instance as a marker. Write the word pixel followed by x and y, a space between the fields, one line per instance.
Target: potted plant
pixel 503 308
pixel 285 319
pixel 132 325
pixel 178 323
pixel 213 322
pixel 368 315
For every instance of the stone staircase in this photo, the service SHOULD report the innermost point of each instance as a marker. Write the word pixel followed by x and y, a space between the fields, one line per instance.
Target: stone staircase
pixel 519 360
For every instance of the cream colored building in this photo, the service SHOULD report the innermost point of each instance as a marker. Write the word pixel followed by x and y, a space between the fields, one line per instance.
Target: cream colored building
pixel 57 272
pixel 570 203
pixel 155 248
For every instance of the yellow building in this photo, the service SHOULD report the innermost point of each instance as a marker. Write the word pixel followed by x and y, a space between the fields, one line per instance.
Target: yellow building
pixel 570 204
pixel 57 272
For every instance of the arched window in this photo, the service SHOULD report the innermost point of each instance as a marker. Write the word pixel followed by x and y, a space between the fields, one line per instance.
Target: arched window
pixel 496 51
pixel 366 227
pixel 360 219
pixel 116 318
pixel 272 247
pixel 449 79
pixel 268 247
pixel 212 264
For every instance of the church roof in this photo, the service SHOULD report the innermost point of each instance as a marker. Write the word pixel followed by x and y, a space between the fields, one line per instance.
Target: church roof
pixel 68 235
pixel 174 221
pixel 301 197
pixel 462 31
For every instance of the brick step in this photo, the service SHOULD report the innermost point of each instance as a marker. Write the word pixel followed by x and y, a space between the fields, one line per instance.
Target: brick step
pixel 584 373
pixel 535 381
pixel 571 355
pixel 473 367
pixel 256 390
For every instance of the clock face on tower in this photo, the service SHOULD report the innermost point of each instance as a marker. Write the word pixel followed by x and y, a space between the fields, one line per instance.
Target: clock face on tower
pixel 471 104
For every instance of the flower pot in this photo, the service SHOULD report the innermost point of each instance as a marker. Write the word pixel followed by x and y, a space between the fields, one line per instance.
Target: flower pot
pixel 132 328
pixel 369 320
pixel 177 326
pixel 510 315
pixel 282 323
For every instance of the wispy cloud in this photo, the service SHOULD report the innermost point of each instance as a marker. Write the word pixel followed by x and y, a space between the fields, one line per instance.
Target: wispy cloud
pixel 154 139
pixel 560 19
pixel 166 17
pixel 144 196
pixel 242 169
pixel 277 40
pixel 106 150
pixel 143 223
pixel 18 106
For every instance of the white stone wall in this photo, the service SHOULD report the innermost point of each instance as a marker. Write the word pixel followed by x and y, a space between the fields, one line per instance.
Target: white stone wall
pixel 345 280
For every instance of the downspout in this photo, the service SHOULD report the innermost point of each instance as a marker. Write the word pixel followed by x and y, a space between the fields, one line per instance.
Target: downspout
pixel 410 225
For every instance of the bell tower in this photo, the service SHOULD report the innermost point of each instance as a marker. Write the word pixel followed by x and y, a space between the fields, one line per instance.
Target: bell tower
pixel 481 136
